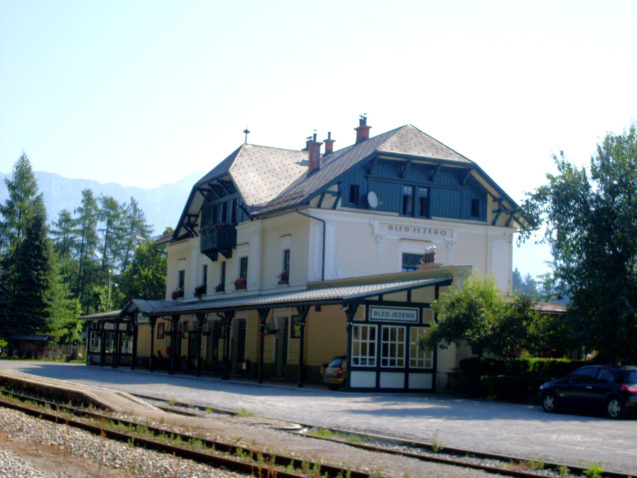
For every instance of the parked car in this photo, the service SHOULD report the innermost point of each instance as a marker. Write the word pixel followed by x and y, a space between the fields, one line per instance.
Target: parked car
pixel 610 389
pixel 335 372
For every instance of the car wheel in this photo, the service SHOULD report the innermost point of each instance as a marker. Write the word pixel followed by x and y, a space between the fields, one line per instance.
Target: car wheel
pixel 549 402
pixel 615 408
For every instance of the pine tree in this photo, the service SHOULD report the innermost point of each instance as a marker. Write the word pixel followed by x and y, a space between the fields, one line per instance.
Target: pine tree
pixel 63 323
pixel 21 206
pixel 86 221
pixel 138 229
pixel 113 234
pixel 31 279
pixel 64 235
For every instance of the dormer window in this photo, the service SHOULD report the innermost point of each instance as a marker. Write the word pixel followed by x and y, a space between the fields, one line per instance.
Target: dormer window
pixel 354 194
pixel 423 202
pixel 408 201
pixel 475 208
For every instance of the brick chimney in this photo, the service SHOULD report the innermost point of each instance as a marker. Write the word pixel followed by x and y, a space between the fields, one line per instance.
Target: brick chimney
pixel 362 132
pixel 329 144
pixel 315 154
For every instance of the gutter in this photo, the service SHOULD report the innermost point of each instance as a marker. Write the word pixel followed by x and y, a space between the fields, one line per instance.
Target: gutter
pixel 322 221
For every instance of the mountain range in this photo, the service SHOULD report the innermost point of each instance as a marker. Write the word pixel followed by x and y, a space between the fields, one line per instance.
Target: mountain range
pixel 162 205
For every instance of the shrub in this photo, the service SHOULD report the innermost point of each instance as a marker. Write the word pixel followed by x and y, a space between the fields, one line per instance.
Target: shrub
pixel 511 379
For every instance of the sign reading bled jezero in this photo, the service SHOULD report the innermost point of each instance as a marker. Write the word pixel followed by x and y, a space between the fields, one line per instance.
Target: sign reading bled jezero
pixel 417 232
pixel 393 314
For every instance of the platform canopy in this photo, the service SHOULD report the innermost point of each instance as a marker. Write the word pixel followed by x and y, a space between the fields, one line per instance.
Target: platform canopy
pixel 307 297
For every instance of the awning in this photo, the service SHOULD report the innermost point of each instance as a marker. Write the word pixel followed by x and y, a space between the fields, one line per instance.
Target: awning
pixel 308 297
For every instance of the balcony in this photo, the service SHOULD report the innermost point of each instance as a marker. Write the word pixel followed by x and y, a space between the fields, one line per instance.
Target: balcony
pixel 218 238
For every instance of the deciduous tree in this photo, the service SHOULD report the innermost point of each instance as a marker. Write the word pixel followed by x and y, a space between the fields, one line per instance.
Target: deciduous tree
pixel 591 225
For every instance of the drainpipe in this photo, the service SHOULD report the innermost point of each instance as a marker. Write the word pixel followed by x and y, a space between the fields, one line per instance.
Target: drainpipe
pixel 322 221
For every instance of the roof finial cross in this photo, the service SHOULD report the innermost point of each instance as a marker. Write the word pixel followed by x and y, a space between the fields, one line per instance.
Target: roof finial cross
pixel 247 132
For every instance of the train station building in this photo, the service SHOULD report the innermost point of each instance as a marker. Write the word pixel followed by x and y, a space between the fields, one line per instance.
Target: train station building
pixel 283 259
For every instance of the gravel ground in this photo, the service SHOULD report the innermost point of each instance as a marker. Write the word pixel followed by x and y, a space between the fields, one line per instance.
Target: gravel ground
pixel 511 429
pixel 37 445
pixel 35 448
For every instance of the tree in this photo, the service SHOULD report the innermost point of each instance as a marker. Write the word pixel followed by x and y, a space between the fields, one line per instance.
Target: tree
pixel 137 229
pixel 25 250
pixel 64 235
pixel 590 217
pixel 145 278
pixel 31 279
pixel 477 315
pixel 467 314
pixel 62 323
pixel 86 220
pixel 21 206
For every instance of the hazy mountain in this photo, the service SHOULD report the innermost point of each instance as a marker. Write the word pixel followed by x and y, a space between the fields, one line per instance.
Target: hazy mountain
pixel 162 205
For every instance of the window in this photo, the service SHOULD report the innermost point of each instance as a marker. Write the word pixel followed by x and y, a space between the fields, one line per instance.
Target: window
pixel 243 268
pixel 423 202
pixel 126 346
pixel 284 276
pixel 408 201
pixel 392 346
pixel 475 208
pixel 353 194
pixel 234 211
pixel 222 278
pixel 204 274
pixel 224 212
pixel 182 279
pixel 96 341
pixel 419 358
pixel 109 342
pixel 364 345
pixel 411 262
pixel 215 214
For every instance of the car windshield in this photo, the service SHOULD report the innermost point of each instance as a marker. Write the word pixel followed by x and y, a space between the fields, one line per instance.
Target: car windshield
pixel 337 362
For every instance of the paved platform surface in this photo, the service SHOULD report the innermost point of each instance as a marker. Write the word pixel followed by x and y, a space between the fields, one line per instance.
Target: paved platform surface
pixel 518 430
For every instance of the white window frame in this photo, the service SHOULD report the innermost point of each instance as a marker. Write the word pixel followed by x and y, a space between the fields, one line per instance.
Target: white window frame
pixel 419 358
pixel 390 348
pixel 364 348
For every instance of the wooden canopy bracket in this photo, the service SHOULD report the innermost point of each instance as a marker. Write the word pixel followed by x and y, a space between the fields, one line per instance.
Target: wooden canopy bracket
pixel 434 173
pixel 405 167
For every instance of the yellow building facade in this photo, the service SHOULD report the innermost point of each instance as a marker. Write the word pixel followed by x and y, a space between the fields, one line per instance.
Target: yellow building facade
pixel 285 259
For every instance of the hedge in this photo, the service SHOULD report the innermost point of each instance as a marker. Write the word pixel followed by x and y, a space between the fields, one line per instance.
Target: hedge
pixel 514 380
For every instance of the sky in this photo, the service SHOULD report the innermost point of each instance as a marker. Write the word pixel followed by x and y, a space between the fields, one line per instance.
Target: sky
pixel 147 92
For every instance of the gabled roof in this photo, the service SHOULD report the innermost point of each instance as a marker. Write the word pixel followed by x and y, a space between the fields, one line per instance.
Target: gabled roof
pixel 274 179
pixel 259 174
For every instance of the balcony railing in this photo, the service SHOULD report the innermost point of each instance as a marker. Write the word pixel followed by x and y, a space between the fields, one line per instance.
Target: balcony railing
pixel 218 238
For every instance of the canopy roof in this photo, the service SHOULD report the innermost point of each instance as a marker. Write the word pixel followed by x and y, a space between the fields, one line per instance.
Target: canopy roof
pixel 312 296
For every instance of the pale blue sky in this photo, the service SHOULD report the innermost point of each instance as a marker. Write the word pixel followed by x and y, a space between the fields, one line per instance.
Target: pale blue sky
pixel 147 92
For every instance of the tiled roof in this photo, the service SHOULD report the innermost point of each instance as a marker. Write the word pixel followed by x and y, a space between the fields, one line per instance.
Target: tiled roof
pixel 406 140
pixel 272 179
pixel 261 173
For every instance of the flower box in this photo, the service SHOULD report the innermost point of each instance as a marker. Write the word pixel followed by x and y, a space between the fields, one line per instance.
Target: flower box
pixel 240 283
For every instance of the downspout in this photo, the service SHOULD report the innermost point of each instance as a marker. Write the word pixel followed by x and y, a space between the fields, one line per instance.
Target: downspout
pixel 322 221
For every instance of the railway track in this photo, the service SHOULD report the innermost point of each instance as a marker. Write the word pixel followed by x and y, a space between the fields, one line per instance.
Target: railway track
pixel 256 462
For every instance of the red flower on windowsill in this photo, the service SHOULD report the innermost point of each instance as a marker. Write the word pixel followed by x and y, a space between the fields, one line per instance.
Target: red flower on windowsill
pixel 177 293
pixel 240 283
pixel 201 290
pixel 284 277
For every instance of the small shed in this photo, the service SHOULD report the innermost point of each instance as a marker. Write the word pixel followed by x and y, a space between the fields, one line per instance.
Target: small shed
pixel 29 346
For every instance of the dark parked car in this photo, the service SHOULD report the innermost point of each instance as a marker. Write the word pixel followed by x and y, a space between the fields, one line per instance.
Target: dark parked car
pixel 612 390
